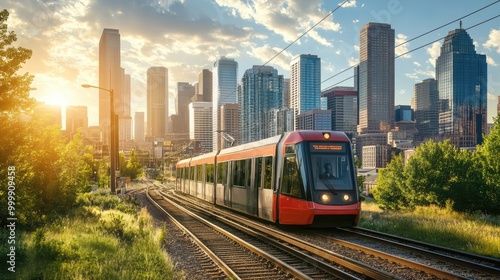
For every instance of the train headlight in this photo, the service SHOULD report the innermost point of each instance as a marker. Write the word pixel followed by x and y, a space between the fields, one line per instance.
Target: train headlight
pixel 326 135
pixel 346 197
pixel 325 198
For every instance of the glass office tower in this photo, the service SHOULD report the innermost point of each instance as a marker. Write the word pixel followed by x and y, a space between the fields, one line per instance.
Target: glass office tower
pixel 305 84
pixel 260 91
pixel 461 74
pixel 224 83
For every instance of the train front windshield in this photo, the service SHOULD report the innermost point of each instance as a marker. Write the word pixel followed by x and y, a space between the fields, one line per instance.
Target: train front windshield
pixel 331 169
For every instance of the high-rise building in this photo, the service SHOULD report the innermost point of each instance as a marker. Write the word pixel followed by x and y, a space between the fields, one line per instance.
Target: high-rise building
pixel 286 93
pixel 205 85
pixel 200 124
pixel 305 84
pixel 404 113
pixel 110 77
pixel 282 120
pixel 230 121
pixel 260 91
pixel 125 119
pixel 157 101
pixel 139 135
pixel 426 109
pixel 224 83
pixel 76 117
pixel 498 108
pixel 461 75
pixel 185 92
pixel 376 78
pixel 315 120
pixel 343 103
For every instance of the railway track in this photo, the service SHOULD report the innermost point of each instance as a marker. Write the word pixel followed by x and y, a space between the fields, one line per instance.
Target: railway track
pixel 269 258
pixel 435 266
pixel 460 263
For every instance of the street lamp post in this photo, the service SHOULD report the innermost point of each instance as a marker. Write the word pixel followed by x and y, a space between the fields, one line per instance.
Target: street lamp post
pixel 112 148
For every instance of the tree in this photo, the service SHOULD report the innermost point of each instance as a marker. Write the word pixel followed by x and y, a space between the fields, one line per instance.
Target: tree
pixel 14 89
pixel 488 155
pixel 430 173
pixel 75 170
pixel 14 99
pixel 130 168
pixel 389 192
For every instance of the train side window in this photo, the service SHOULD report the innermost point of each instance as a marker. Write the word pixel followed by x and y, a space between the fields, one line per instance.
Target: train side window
pixel 292 183
pixel 191 172
pixel 258 172
pixel 200 173
pixel 210 173
pixel 222 173
pixel 268 172
pixel 240 172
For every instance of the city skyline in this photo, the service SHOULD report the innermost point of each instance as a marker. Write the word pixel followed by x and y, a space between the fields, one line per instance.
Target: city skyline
pixel 189 36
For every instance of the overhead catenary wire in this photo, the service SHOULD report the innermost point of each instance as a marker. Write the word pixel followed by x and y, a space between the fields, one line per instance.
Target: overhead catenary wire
pixel 419 36
pixel 410 51
pixel 298 38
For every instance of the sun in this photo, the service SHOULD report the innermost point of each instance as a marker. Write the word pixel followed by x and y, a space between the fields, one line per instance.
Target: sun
pixel 55 98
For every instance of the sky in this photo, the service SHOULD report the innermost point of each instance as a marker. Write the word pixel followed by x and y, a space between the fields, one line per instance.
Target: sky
pixel 187 36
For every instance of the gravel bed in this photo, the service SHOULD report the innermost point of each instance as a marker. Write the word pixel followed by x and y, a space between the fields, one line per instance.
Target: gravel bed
pixel 178 246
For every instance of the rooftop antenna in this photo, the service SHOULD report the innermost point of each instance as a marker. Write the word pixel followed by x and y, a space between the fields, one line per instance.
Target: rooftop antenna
pixel 461 24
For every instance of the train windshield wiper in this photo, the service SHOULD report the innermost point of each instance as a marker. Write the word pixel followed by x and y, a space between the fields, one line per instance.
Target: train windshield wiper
pixel 329 185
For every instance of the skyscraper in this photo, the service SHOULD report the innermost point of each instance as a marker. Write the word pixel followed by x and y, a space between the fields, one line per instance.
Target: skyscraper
pixel 376 78
pixel 139 127
pixel 305 84
pixel 426 109
pixel 185 92
pixel 200 124
pixel 260 91
pixel 461 75
pixel 125 119
pixel 343 103
pixel 225 73
pixel 205 85
pixel 76 117
pixel 157 99
pixel 110 77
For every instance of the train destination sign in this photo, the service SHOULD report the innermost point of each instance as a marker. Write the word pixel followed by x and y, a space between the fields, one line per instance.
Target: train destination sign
pixel 317 147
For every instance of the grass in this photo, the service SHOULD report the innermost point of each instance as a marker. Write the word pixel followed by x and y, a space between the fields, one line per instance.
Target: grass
pixel 475 233
pixel 104 238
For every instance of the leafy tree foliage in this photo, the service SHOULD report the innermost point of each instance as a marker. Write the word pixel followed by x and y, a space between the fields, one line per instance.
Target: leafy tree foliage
pixel 14 88
pixel 441 174
pixel 48 172
pixel 130 168
pixel 390 189
pixel 430 173
pixel 489 159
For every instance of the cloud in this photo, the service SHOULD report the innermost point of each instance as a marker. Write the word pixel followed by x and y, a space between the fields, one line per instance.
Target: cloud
pixel 490 61
pixel 402 46
pixel 419 75
pixel 266 52
pixel 434 52
pixel 349 4
pixel 493 40
pixel 286 18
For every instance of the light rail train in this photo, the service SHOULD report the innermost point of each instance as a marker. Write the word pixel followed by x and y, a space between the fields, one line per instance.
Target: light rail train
pixel 304 178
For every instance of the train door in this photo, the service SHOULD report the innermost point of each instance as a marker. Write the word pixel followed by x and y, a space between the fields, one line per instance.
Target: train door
pixel 291 195
pixel 253 188
pixel 264 177
pixel 229 185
